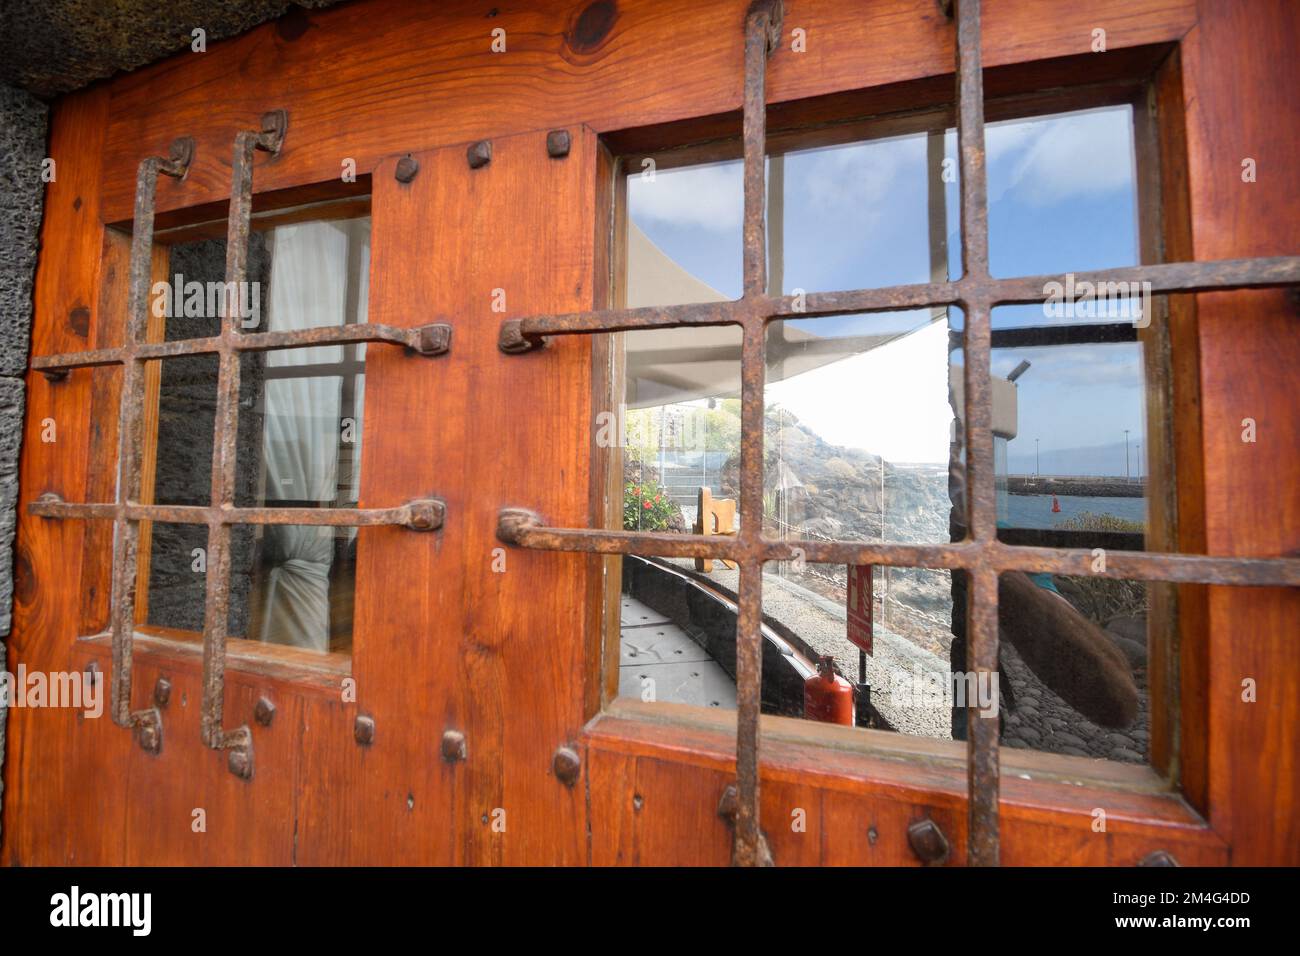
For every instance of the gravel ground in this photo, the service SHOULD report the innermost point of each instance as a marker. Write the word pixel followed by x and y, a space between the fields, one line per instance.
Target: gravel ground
pixel 1041 720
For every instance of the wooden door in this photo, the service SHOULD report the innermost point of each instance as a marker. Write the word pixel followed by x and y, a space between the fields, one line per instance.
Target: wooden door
pixel 457 633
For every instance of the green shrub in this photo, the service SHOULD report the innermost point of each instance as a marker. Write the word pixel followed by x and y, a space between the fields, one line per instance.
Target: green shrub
pixel 1087 521
pixel 647 508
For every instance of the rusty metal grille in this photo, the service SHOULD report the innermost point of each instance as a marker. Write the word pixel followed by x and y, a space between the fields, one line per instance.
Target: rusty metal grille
pixel 981 555
pixel 127 511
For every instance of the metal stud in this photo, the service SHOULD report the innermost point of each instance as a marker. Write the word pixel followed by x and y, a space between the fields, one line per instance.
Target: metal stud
pixel 479 154
pixel 364 730
pixel 162 691
pixel 557 143
pixel 406 170
pixel 1158 858
pixel 928 842
pixel 148 730
pixel 239 762
pixel 453 746
pixel 566 764
pixel 264 712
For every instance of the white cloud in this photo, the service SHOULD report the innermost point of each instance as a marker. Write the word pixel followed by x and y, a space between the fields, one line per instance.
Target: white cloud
pixel 1050 159
pixel 700 197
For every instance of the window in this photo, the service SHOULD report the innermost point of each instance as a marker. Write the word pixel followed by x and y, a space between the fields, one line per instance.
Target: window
pixel 275 586
pixel 864 425
pixel 299 439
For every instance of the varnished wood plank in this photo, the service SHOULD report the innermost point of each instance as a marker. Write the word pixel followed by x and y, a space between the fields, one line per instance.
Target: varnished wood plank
pixel 51 813
pixel 418 76
pixel 1250 361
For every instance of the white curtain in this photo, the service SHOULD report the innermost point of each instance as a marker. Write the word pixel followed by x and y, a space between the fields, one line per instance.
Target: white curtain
pixel 309 288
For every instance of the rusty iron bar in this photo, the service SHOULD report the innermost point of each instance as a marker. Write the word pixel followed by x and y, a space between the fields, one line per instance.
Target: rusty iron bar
pixel 1224 275
pixel 981 504
pixel 216 606
pixel 762 35
pixel 526 529
pixel 421 514
pixel 429 340
pixel 147 723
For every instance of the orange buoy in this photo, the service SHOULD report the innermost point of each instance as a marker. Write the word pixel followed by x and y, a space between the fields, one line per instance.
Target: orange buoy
pixel 1056 505
pixel 827 696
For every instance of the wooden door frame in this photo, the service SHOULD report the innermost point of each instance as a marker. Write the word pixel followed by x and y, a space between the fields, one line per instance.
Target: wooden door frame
pixel 651 780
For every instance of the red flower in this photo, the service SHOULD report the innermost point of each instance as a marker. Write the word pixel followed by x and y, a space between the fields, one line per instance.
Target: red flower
pixel 648 506
pixel 656 499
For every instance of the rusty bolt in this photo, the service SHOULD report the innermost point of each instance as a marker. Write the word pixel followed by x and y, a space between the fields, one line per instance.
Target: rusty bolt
pixel 427 514
pixel 566 764
pixel 264 712
pixel 150 736
pixel 511 521
pixel 406 169
pixel 181 151
pixel 274 126
pixel 240 762
pixel 433 339
pixel 928 842
pixel 162 691
pixel 453 746
pixel 92 672
pixel 364 730
pixel 479 154
pixel 729 803
pixel 1158 858
pixel 557 143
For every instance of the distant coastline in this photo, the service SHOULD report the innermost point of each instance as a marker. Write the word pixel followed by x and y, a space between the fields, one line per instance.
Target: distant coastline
pixel 1078 485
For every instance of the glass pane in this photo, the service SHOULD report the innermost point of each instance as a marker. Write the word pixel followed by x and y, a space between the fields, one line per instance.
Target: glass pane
pixel 1073 458
pixel 684 234
pixel 299 445
pixel 1074 665
pixel 190 303
pixel 1062 193
pixel 864 215
pixel 860 427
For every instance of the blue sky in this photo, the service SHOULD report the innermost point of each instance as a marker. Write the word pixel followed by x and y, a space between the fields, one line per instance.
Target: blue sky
pixel 1061 196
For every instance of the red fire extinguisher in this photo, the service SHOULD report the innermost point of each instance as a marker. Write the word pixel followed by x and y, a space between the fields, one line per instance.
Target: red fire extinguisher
pixel 827 696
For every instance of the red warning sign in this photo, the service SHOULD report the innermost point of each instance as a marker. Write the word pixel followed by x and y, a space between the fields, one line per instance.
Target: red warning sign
pixel 860 606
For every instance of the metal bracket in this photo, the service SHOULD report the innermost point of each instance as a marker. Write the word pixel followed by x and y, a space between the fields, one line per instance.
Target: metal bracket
pixel 274 125
pixel 512 522
pixel 728 810
pixel 239 743
pixel 774 10
pixel 432 339
pixel 512 340
pixel 147 725
pixel 426 514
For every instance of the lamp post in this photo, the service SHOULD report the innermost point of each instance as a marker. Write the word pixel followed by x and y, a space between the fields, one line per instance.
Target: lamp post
pixel 1036 471
pixel 1127 475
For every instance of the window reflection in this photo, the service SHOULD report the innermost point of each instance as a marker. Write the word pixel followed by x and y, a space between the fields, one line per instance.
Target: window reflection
pixel 864 426
pixel 298 442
